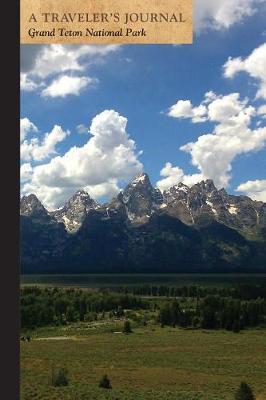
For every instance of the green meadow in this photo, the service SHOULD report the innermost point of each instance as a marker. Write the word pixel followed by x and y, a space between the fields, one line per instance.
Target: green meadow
pixel 152 362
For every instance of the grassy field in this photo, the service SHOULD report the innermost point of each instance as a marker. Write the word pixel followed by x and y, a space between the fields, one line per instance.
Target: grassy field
pixel 152 363
pixel 115 280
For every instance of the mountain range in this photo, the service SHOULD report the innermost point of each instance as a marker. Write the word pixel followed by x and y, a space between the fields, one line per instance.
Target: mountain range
pixel 184 229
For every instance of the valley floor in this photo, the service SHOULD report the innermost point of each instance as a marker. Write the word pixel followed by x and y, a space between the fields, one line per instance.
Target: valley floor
pixel 152 363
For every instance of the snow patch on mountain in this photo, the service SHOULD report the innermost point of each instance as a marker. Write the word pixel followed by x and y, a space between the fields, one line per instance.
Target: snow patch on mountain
pixel 232 209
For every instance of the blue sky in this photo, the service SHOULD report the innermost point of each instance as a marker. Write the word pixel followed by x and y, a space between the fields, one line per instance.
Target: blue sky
pixel 141 83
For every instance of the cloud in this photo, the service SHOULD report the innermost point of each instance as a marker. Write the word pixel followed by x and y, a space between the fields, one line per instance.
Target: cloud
pixel 184 109
pixel 230 111
pixel 213 153
pixel 173 175
pixel 262 111
pixel 41 63
pixel 255 189
pixel 25 172
pixel 65 85
pixel 108 158
pixel 28 54
pixel 254 65
pixel 106 189
pixel 224 109
pixel 37 150
pixel 28 84
pixel 57 59
pixel 26 126
pixel 222 14
pixel 81 128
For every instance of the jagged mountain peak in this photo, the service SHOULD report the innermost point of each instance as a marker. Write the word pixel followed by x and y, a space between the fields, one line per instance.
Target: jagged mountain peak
pixel 142 179
pixel 75 210
pixel 81 196
pixel 29 198
pixel 81 193
pixel 205 185
pixel 176 189
pixel 141 199
pixel 203 202
pixel 30 205
pixel 140 185
pixel 185 227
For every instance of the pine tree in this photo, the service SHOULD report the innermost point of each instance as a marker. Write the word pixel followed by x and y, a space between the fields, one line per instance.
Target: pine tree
pixel 127 327
pixel 244 392
pixel 60 378
pixel 105 383
pixel 165 316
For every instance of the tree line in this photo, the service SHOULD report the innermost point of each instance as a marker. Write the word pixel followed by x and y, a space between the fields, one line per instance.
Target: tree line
pixel 214 312
pixel 240 291
pixel 55 306
pixel 46 306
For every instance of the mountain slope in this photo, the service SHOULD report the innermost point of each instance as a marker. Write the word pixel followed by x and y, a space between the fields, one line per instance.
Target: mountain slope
pixel 42 238
pixel 142 230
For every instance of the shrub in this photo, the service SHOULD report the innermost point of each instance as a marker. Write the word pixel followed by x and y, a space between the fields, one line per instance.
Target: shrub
pixel 105 383
pixel 244 392
pixel 60 377
pixel 127 327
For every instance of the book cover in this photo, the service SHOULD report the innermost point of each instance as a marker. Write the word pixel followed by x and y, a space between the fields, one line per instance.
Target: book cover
pixel 143 199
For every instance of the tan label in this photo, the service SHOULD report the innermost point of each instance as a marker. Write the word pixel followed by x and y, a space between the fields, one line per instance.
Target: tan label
pixel 106 21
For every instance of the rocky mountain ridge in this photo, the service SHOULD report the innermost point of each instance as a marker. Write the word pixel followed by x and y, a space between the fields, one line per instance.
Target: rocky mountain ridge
pixel 191 205
pixel 139 200
pixel 215 227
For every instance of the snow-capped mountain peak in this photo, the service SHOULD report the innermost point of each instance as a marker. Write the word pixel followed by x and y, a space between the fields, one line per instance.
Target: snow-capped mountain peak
pixel 194 205
pixel 31 206
pixel 141 199
pixel 141 178
pixel 75 210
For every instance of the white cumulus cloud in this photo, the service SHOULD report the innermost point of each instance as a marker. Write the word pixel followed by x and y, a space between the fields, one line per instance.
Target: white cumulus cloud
pixel 37 150
pixel 254 65
pixel 58 58
pixel 25 172
pixel 174 175
pixel 213 153
pixel 26 126
pixel 107 189
pixel 66 85
pixel 184 109
pixel 255 189
pixel 108 158
pixel 41 63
